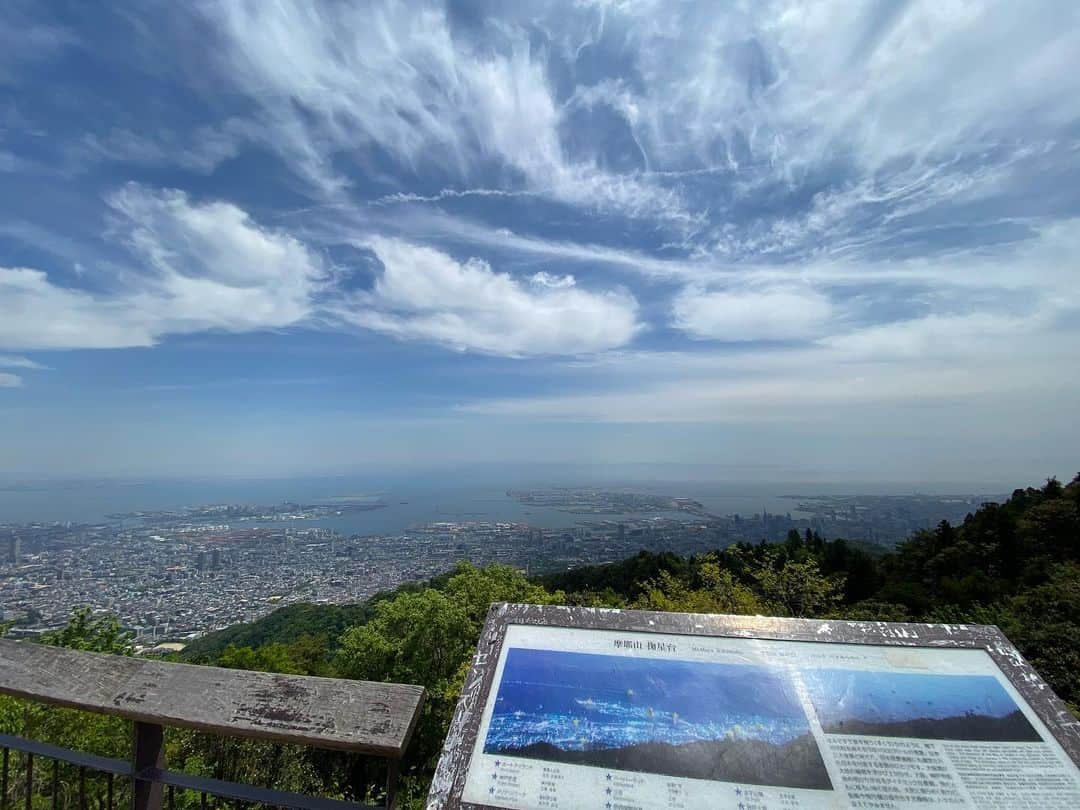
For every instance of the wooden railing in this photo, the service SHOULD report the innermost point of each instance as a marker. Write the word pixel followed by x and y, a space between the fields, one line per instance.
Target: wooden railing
pixel 371 719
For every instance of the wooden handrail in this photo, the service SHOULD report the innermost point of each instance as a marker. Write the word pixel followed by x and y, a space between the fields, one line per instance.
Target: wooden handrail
pixel 359 716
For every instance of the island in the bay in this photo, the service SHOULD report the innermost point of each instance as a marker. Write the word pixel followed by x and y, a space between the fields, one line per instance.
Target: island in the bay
pixel 606 501
pixel 287 510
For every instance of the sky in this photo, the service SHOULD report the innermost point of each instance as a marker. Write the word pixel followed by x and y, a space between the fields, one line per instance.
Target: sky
pixel 888 697
pixel 824 241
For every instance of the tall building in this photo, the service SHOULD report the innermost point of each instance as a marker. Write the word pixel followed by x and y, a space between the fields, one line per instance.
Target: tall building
pixel 215 559
pixel 14 549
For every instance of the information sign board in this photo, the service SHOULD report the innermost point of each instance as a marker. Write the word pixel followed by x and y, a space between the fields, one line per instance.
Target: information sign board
pixel 626 710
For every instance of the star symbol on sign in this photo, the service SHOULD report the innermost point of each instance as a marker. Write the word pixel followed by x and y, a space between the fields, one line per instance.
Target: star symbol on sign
pixel 609 791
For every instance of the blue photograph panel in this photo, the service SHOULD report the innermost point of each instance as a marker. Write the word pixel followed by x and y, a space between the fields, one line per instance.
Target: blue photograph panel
pixel 903 704
pixel 701 720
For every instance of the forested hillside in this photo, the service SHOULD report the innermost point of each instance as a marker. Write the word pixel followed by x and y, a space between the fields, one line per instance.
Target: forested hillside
pixel 1016 565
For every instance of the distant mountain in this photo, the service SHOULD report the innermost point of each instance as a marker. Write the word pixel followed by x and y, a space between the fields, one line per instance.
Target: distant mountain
pixel 1013 727
pixel 798 764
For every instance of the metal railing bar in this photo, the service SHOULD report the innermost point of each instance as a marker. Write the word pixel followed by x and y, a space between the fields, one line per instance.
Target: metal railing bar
pixel 29 780
pixel 247 793
pixel 240 794
pixel 120 767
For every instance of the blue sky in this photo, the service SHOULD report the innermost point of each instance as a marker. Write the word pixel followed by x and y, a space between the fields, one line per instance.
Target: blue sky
pixel 807 240
pixel 839 695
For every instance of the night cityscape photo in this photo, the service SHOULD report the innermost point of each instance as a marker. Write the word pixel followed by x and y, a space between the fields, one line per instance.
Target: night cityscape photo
pixel 701 720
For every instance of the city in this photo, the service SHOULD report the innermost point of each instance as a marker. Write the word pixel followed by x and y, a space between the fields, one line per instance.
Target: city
pixel 171 576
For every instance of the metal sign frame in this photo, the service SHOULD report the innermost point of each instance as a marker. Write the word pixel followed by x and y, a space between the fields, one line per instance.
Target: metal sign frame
pixel 449 782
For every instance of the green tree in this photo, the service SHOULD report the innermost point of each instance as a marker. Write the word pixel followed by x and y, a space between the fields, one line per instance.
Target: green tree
pixel 798 588
pixel 85 631
pixel 273 657
pixel 428 638
pixel 719 591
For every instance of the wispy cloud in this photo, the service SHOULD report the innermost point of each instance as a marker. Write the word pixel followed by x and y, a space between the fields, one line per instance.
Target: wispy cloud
pixel 869 379
pixel 26 40
pixel 200 151
pixel 330 78
pixel 14 361
pixel 694 213
pixel 450 194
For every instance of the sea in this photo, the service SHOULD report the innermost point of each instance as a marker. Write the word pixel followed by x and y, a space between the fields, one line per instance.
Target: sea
pixel 408 502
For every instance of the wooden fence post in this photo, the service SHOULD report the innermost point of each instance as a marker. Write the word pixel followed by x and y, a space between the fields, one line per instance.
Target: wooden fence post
pixel 148 754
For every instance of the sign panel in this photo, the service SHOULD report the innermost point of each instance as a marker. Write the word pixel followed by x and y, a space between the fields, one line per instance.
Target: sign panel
pixel 624 710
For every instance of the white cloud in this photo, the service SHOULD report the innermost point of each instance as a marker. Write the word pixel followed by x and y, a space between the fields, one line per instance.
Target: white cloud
pixel 543 279
pixel 778 313
pixel 204 266
pixel 14 361
pixel 969 357
pixel 464 231
pixel 788 81
pixel 209 266
pixel 214 267
pixel 10 380
pixel 933 335
pixel 425 294
pixel 332 78
pixel 806 385
pixel 37 314
pixel 897 106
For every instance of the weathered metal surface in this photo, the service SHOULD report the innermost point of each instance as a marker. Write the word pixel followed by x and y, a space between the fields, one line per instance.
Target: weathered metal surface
pixel 449 781
pixel 359 716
